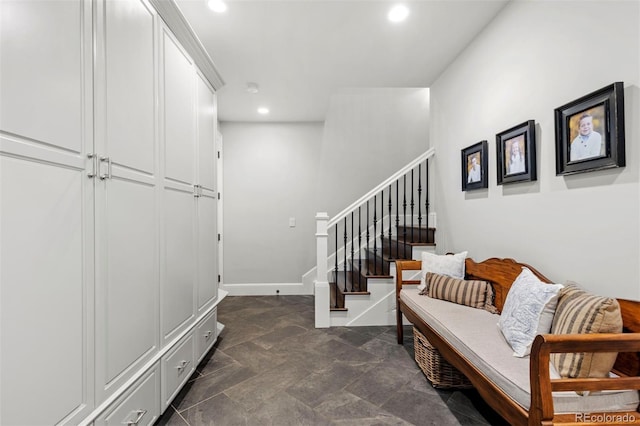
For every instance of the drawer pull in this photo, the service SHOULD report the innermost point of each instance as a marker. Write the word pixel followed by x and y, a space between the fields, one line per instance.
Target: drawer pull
pixel 182 366
pixel 139 414
pixel 207 335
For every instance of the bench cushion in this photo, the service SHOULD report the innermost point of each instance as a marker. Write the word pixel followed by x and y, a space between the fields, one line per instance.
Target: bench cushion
pixel 475 335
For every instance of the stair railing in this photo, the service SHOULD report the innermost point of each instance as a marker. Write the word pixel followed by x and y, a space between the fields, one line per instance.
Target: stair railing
pixel 353 258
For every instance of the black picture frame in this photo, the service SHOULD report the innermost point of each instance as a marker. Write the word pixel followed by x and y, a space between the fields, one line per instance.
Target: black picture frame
pixel 602 115
pixel 475 176
pixel 516 154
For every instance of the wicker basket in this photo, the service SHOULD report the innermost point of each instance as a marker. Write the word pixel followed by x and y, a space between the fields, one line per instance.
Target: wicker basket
pixel 440 373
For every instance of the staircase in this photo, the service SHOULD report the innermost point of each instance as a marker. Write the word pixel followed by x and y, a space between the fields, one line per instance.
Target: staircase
pixel 355 283
pixel 408 242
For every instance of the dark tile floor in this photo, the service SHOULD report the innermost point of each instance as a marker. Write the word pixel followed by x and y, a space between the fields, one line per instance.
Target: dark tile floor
pixel 271 366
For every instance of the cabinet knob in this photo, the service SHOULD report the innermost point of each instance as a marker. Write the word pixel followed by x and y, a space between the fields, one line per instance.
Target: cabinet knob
pixel 207 335
pixel 182 366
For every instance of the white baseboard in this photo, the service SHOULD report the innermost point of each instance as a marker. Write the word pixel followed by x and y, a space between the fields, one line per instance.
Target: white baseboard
pixel 266 289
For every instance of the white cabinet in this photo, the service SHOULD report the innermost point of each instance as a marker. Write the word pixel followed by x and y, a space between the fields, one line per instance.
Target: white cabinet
pixel 178 283
pixel 46 213
pixel 177 81
pixel 188 105
pixel 177 105
pixel 207 249
pixel 127 249
pixel 107 210
pixel 207 234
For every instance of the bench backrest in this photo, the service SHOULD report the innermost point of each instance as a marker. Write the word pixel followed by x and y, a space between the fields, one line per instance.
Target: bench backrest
pixel 502 272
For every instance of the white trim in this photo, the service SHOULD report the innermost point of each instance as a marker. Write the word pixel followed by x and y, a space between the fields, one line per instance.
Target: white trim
pixel 266 289
pixel 173 17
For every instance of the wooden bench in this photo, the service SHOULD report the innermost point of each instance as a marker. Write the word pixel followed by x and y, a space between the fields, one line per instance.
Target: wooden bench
pixel 501 273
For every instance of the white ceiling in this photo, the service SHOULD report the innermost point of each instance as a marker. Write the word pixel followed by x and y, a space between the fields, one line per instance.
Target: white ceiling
pixel 300 52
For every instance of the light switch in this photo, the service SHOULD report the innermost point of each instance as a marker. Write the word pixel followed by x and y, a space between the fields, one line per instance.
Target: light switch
pixel 292 222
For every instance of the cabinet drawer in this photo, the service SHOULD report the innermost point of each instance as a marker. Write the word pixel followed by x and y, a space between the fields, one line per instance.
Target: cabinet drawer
pixel 206 334
pixel 140 406
pixel 177 367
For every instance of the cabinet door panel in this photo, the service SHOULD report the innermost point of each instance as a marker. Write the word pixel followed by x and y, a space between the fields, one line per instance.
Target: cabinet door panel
pixel 44 226
pixel 207 250
pixel 128 279
pixel 41 43
pixel 128 29
pixel 179 119
pixel 179 261
pixel 206 131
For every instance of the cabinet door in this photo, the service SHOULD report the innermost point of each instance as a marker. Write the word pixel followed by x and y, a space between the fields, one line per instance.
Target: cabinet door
pixel 178 101
pixel 46 213
pixel 207 117
pixel 178 281
pixel 207 249
pixel 127 325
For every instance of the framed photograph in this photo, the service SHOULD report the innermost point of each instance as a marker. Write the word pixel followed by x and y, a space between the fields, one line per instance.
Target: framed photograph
pixel 516 149
pixel 590 132
pixel 475 164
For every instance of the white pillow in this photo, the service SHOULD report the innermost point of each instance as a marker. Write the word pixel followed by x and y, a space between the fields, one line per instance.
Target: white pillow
pixel 528 311
pixel 451 265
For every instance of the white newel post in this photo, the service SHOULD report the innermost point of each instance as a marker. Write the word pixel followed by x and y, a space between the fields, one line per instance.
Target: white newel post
pixel 322 291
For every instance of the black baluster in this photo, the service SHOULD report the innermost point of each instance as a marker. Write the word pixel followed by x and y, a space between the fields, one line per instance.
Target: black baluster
pixel 420 199
pixel 382 229
pixel 359 247
pixel 397 219
pixel 368 260
pixel 404 214
pixel 352 244
pixel 335 270
pixel 344 250
pixel 412 204
pixel 426 202
pixel 390 223
pixel 375 240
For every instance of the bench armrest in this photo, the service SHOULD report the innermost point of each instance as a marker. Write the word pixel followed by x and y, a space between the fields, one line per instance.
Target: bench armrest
pixel 542 385
pixel 406 265
pixel 403 265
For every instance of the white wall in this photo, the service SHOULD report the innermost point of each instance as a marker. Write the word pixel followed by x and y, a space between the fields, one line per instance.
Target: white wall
pixel 270 170
pixel 369 134
pixel 275 171
pixel 534 57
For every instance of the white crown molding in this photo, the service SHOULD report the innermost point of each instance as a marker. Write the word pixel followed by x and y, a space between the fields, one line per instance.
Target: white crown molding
pixel 173 17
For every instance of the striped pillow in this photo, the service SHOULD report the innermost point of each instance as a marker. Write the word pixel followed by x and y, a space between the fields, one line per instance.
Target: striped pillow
pixel 581 312
pixel 476 294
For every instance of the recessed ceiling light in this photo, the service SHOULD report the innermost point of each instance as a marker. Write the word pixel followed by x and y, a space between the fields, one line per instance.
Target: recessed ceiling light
pixel 398 13
pixel 217 6
pixel 263 110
